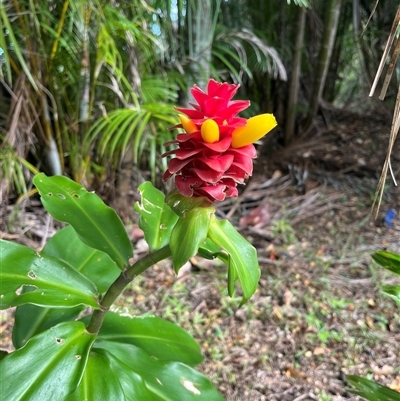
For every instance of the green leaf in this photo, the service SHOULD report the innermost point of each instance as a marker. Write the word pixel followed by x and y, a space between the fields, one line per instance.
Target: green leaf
pixel 189 232
pixel 8 27
pixel 243 263
pixel 209 250
pixel 97 266
pixel 158 337
pixel 156 218
pixel 50 365
pixel 392 290
pixel 52 282
pixel 225 61
pixel 93 386
pixel 138 138
pixel 389 260
pixel 95 223
pixel 30 320
pixel 169 381
pixel 371 390
pixel 3 354
pixel 133 385
pixel 232 277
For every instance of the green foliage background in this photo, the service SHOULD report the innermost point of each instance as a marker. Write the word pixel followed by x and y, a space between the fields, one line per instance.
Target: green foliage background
pixel 87 88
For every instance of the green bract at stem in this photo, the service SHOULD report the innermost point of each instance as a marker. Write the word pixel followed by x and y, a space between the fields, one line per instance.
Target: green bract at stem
pixel 121 282
pixel 181 204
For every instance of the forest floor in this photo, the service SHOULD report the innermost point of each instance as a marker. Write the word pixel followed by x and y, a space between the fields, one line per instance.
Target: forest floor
pixel 318 313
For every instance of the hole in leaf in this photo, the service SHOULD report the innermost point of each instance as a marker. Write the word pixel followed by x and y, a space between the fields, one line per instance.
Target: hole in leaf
pixel 25 288
pixel 78 357
pixel 59 341
pixel 50 194
pixel 76 196
pixel 32 275
pixel 61 196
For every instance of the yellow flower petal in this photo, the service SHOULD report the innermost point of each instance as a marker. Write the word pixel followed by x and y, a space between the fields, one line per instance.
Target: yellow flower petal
pixel 188 125
pixel 210 131
pixel 255 129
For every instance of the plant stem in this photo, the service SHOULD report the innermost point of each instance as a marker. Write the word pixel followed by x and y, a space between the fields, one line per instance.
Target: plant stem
pixel 121 282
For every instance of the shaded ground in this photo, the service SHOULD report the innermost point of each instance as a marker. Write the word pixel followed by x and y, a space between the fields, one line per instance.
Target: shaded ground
pixel 318 314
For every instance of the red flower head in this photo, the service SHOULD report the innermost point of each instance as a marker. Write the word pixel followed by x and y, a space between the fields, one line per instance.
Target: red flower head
pixel 215 153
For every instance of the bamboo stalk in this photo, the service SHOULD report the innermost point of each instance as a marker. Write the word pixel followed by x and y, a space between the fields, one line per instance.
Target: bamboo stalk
pixel 388 46
pixel 54 47
pixel 328 39
pixel 84 100
pixel 295 80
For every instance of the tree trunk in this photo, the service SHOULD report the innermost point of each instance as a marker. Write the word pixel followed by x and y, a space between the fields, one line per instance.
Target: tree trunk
pixel 295 79
pixel 200 34
pixel 324 56
pixel 360 43
pixel 331 88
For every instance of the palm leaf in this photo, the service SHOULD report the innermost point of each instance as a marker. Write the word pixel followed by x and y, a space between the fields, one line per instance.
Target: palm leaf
pixel 7 27
pixel 267 56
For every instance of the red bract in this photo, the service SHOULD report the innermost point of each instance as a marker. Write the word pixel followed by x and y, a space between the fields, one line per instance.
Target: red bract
pixel 216 152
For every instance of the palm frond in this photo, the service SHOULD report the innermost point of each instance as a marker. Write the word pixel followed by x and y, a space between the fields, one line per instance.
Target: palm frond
pixel 301 3
pixel 156 89
pixel 14 170
pixel 11 48
pixel 245 43
pixel 129 127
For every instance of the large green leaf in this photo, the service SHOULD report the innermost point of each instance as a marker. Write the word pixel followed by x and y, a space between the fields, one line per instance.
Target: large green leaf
pixel 371 390
pixel 133 385
pixel 168 381
pixel 94 264
pixel 188 234
pixel 389 260
pixel 50 282
pixel 156 218
pixel 93 386
pixel 96 224
pixel 30 320
pixel 159 338
pixel 243 263
pixel 50 365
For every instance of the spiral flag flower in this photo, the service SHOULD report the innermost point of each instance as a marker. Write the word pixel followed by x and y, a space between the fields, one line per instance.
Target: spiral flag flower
pixel 216 151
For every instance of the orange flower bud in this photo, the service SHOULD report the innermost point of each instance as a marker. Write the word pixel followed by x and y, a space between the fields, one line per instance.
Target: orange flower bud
pixel 188 125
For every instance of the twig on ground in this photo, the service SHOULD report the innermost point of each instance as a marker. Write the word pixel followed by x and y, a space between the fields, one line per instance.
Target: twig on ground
pixel 304 397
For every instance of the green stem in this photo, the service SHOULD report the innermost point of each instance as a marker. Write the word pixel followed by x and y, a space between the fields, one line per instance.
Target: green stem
pixel 121 282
